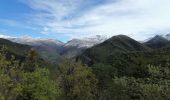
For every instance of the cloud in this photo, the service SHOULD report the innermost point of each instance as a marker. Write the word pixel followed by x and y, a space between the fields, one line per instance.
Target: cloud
pixel 5 36
pixel 18 24
pixel 79 18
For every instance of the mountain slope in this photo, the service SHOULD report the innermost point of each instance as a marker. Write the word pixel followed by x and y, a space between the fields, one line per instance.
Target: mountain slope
pixel 48 49
pixel 157 42
pixel 18 50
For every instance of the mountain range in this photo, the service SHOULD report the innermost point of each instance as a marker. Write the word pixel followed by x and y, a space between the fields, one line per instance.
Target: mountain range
pixel 119 64
pixel 54 50
pixel 123 56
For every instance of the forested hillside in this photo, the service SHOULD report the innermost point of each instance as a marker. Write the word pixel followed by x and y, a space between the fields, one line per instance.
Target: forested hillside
pixel 15 48
pixel 127 69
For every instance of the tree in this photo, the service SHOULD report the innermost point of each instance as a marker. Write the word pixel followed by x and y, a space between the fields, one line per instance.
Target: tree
pixel 31 61
pixel 38 86
pixel 10 77
pixel 18 84
pixel 77 81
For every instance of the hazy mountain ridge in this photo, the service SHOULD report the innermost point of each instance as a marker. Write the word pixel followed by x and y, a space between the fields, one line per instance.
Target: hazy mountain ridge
pixel 167 36
pixel 35 41
pixel 86 42
pixel 80 43
pixel 158 41
pixel 75 47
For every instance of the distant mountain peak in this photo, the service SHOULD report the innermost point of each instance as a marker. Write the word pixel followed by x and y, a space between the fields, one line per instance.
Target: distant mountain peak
pixel 124 42
pixel 167 36
pixel 158 38
pixel 157 41
pixel 86 42
pixel 35 41
pixel 121 36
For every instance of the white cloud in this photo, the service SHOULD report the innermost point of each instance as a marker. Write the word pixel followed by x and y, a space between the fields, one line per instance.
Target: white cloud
pixel 129 17
pixel 5 36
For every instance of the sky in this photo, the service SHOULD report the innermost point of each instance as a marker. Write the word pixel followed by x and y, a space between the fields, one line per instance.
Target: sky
pixel 67 19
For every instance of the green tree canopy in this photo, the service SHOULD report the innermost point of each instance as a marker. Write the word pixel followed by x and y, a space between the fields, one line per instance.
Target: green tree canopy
pixel 77 81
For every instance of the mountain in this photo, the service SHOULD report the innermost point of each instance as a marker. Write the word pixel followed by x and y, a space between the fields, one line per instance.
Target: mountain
pixel 75 47
pixel 47 48
pixel 167 36
pixel 123 56
pixel 37 41
pixel 157 42
pixel 18 50
pixel 86 42
pixel 54 50
pixel 115 45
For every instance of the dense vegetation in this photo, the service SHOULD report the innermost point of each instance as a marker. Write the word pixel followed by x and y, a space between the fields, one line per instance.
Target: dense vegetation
pixel 127 69
pixel 25 80
pixel 118 69
pixel 31 79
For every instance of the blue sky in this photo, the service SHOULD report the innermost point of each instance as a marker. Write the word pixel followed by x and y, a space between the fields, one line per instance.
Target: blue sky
pixel 67 19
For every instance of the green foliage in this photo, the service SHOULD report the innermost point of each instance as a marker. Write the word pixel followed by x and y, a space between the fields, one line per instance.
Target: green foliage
pixel 104 73
pixel 77 81
pixel 31 62
pixel 18 84
pixel 38 86
pixel 156 86
pixel 128 70
pixel 10 77
pixel 52 57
